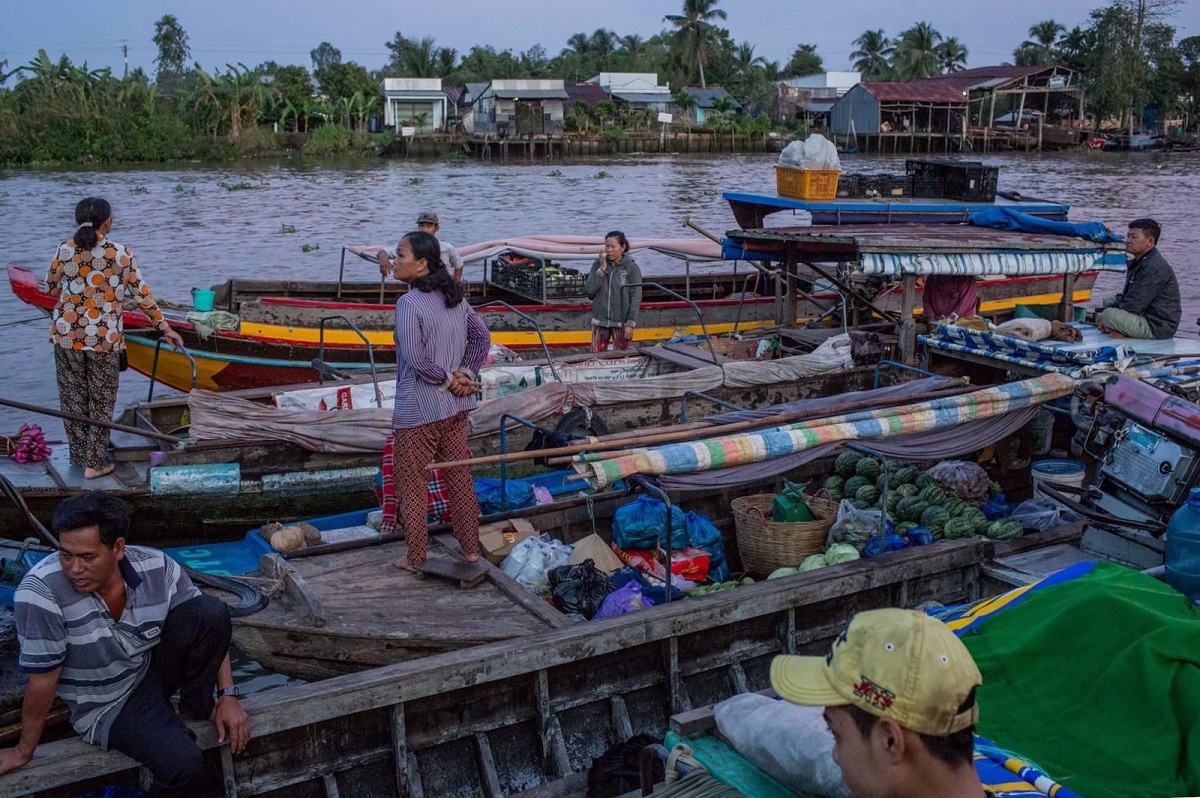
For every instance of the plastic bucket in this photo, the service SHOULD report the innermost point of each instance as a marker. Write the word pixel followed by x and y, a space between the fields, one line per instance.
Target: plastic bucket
pixel 202 299
pixel 1058 472
pixel 1041 430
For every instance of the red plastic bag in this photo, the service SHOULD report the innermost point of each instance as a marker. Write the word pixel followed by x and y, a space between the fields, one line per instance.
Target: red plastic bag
pixel 690 563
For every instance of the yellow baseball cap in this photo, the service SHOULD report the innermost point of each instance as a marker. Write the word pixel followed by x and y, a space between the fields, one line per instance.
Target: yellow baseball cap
pixel 892 663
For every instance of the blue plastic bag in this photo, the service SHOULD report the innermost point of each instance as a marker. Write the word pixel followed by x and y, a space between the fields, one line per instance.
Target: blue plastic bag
pixel 919 536
pixel 996 508
pixel 706 537
pixel 641 524
pixel 892 542
pixel 622 600
pixel 654 592
pixel 520 494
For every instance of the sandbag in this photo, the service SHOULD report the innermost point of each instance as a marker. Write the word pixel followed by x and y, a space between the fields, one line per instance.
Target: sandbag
pixel 791 743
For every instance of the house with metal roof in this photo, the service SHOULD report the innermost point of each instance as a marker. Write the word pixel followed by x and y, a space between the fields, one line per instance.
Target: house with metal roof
pixel 926 106
pixel 414 102
pixel 634 90
pixel 1055 92
pixel 706 103
pixel 519 107
pixel 812 97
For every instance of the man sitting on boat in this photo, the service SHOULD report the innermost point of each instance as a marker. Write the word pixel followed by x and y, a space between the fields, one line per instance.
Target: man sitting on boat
pixel 115 631
pixel 899 694
pixel 1149 306
pixel 427 222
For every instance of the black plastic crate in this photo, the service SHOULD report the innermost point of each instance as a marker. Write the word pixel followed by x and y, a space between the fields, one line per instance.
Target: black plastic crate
pixel 972 184
pixel 531 278
pixel 848 186
pixel 871 186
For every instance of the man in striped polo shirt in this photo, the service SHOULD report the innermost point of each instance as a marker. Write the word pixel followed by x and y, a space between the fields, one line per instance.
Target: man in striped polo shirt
pixel 115 631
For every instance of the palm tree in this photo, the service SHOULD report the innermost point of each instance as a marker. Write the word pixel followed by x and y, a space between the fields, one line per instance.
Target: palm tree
pixel 421 58
pixel 1043 37
pixel 871 57
pixel 694 29
pixel 745 60
pixel 916 54
pixel 632 44
pixel 686 104
pixel 952 54
pixel 579 44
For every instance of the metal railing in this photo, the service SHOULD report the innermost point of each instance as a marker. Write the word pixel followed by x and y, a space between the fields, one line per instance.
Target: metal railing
pixel 647 485
pixel 902 366
pixel 694 306
pixel 154 367
pixel 537 328
pixel 365 340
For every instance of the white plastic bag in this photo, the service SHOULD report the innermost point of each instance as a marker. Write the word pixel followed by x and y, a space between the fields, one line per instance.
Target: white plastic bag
pixel 530 562
pixel 962 479
pixel 791 153
pixel 1042 513
pixel 791 743
pixel 855 526
pixel 819 153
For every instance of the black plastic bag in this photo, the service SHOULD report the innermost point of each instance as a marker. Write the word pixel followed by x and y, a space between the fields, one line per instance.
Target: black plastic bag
pixel 617 771
pixel 579 588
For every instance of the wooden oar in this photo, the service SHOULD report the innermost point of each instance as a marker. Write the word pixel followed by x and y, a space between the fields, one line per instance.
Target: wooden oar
pixel 45 411
pixel 641 440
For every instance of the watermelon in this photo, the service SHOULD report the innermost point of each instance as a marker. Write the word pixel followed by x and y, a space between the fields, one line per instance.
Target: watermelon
pixel 904 526
pixel 923 480
pixel 854 483
pixel 977 519
pixel 911 509
pixel 867 467
pixel 994 490
pixel 834 482
pixel 845 463
pixel 867 493
pixel 836 495
pixel 957 528
pixel 859 504
pixel 889 504
pixel 885 481
pixel 908 489
pixel 906 475
pixel 935 518
pixel 933 494
pixel 955 506
pixel 892 466
pixel 1003 529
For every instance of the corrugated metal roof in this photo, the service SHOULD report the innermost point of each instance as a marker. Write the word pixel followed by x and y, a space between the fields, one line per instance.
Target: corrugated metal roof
pixel 817 105
pixel 920 91
pixel 532 94
pixel 705 97
pixel 647 97
pixel 587 93
pixel 435 94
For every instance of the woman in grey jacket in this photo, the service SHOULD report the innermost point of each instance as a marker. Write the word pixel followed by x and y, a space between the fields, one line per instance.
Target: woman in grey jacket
pixel 614 306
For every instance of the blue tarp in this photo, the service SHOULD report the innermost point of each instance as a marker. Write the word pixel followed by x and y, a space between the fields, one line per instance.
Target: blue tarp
pixel 1000 218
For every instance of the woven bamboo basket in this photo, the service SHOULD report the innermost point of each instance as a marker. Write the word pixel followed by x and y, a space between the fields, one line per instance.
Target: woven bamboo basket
pixel 765 545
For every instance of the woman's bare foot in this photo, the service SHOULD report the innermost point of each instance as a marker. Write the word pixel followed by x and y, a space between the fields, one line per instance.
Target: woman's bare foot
pixel 96 473
pixel 403 565
pixel 473 558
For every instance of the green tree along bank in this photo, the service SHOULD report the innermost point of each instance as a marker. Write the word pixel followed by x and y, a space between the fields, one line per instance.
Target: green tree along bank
pixel 55 111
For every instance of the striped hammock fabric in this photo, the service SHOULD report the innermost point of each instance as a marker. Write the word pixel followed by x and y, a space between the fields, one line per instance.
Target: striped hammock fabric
pixel 1011 263
pixel 753 447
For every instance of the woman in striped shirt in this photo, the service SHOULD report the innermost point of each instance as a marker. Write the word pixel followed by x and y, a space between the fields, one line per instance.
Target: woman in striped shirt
pixel 441 343
pixel 90 277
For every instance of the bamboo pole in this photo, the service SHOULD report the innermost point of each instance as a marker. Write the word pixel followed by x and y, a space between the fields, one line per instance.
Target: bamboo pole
pixel 95 422
pixel 641 439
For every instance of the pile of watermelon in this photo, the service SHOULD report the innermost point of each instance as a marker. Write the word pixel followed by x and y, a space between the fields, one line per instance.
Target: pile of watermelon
pixel 912 499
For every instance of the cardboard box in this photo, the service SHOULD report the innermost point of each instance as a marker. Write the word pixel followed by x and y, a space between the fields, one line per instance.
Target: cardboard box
pixel 498 539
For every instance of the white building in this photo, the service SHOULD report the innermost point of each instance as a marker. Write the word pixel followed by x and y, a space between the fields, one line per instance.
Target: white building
pixel 405 100
pixel 635 89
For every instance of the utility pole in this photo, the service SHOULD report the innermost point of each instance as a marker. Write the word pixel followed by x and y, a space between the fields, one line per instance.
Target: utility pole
pixel 125 53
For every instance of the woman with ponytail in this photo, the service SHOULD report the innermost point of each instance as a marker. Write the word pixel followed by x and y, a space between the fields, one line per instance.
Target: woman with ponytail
pixel 441 343
pixel 90 277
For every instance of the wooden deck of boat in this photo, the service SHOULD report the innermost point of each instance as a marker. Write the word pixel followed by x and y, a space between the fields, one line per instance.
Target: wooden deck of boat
pixel 352 610
pixel 57 474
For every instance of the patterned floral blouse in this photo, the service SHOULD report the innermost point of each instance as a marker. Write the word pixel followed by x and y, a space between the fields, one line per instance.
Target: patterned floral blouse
pixel 90 286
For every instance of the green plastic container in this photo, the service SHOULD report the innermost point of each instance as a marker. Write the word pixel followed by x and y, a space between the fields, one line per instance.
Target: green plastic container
pixel 789 506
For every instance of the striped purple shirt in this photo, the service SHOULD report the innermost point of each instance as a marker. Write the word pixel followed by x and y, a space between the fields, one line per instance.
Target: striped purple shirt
pixel 432 342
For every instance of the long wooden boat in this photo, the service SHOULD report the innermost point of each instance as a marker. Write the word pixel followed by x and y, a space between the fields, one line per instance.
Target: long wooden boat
pixel 215 489
pixel 279 322
pixel 526 716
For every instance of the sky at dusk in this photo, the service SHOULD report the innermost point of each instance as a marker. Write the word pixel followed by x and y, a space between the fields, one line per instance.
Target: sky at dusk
pixel 252 31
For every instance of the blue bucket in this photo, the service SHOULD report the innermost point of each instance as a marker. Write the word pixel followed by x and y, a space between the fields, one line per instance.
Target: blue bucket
pixel 202 299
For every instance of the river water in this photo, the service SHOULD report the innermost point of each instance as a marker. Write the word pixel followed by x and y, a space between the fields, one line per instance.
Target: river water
pixel 188 228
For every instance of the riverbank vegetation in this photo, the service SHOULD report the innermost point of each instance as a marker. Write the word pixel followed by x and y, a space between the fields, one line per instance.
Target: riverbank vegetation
pixel 57 111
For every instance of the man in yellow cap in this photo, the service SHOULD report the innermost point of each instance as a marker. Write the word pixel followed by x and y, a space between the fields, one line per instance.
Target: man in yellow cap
pixel 899 694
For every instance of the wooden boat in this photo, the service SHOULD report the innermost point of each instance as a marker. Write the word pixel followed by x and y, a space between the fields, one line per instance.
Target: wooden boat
pixel 750 209
pixel 214 489
pixel 280 322
pixel 526 716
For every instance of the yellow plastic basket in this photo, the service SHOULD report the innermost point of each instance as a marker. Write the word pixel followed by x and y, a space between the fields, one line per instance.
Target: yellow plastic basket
pixel 806 184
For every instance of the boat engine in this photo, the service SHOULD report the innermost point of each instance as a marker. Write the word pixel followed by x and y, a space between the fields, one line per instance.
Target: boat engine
pixel 1146 443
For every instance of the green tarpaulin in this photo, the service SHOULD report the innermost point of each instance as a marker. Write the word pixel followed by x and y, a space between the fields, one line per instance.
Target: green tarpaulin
pixel 1097 680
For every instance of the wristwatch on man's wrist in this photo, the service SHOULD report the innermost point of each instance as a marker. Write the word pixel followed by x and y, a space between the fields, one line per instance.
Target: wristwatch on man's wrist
pixel 231 691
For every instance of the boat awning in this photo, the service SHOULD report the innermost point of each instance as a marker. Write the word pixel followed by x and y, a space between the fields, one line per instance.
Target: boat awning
pixel 563 247
pixel 895 250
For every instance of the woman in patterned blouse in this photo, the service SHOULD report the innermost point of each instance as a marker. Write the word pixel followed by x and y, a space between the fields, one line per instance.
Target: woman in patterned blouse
pixel 90 277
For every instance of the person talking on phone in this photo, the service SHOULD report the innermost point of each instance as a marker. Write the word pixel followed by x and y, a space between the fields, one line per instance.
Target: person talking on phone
pixel 615 306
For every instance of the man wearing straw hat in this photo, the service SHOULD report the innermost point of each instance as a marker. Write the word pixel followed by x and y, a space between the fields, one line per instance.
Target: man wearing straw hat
pixel 899 694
